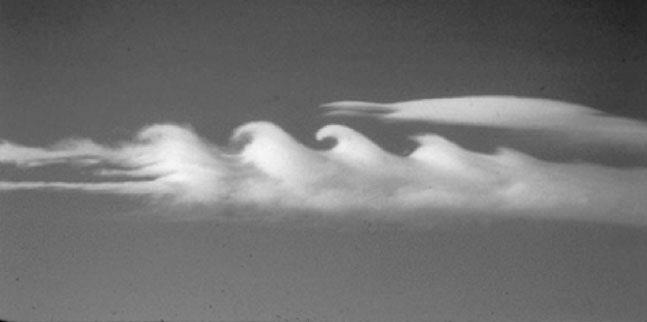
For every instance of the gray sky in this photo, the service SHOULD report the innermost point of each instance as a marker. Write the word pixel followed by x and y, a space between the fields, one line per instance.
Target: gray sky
pixel 104 70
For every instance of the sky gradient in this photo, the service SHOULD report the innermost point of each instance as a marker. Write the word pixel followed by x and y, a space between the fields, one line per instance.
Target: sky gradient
pixel 106 70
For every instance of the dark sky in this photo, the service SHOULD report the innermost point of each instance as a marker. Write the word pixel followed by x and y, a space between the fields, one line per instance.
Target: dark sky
pixel 104 69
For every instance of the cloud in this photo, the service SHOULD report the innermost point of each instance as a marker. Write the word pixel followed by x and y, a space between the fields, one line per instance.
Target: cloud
pixel 570 121
pixel 164 160
pixel 266 168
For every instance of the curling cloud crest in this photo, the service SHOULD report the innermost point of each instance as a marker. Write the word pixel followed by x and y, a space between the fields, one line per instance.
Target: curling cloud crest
pixel 272 170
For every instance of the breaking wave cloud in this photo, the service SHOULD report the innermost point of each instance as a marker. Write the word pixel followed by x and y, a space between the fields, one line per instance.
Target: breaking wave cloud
pixel 269 169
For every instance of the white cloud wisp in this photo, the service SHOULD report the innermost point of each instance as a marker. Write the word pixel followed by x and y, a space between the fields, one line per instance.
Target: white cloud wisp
pixel 574 122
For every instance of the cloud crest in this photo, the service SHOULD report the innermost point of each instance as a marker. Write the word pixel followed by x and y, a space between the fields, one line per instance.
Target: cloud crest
pixel 272 170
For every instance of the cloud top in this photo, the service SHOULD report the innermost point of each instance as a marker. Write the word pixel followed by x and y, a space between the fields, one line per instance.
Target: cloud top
pixel 266 168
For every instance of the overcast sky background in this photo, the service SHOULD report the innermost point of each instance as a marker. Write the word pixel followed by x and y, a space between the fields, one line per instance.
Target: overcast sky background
pixel 104 70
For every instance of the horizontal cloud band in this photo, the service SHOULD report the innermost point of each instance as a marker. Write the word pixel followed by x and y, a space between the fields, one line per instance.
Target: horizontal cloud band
pixel 574 122
pixel 274 171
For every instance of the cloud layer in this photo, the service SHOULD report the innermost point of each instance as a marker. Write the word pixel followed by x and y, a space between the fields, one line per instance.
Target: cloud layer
pixel 273 171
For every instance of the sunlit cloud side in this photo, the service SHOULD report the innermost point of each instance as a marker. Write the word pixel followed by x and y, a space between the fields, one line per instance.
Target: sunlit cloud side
pixel 266 168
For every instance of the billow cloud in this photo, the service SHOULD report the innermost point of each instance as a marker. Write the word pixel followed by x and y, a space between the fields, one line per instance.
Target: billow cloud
pixel 161 161
pixel 273 171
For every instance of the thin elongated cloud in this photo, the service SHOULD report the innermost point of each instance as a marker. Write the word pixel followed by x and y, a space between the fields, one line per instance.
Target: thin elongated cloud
pixel 274 172
pixel 571 121
pixel 161 160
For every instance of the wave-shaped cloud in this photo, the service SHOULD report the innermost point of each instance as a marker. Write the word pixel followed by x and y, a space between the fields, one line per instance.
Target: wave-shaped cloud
pixel 272 170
